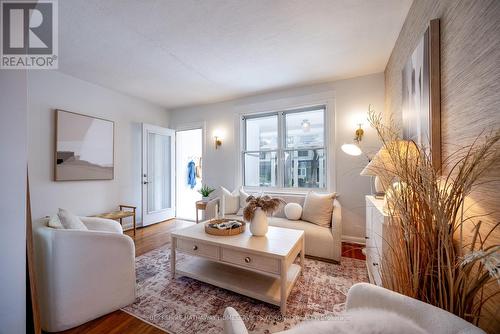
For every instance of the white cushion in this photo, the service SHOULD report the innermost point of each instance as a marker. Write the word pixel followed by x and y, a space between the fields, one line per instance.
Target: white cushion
pixel 360 321
pixel 243 198
pixel 69 221
pixel 243 201
pixel 231 201
pixel 55 222
pixel 233 324
pixel 293 211
pixel 318 208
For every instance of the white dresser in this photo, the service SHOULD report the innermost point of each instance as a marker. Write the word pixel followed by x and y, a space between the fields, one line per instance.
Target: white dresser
pixel 376 225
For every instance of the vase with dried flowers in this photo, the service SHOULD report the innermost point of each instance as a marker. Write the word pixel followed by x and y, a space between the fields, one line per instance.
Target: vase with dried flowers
pixel 256 212
pixel 429 255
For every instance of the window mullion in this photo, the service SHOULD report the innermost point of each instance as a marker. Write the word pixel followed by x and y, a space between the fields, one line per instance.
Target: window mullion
pixel 281 135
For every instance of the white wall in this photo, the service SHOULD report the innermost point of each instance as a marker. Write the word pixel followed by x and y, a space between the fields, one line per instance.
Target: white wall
pixel 348 99
pixel 49 90
pixel 13 155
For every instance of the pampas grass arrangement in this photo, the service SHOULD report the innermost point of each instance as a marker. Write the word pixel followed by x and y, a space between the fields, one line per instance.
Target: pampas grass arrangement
pixel 429 256
pixel 267 203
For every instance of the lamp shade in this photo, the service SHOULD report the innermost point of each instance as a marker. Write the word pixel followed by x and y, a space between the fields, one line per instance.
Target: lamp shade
pixel 383 164
pixel 395 153
pixel 378 165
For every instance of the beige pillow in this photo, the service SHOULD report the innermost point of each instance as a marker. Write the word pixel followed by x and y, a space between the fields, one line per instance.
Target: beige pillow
pixel 69 221
pixel 318 208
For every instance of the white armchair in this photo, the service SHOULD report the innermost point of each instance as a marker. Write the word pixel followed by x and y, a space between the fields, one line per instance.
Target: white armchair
pixel 428 317
pixel 82 275
pixel 365 297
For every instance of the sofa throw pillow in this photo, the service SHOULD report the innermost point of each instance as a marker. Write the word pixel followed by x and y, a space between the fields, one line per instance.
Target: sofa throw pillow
pixel 231 201
pixel 69 221
pixel 318 208
pixel 243 198
pixel 293 211
pixel 243 201
pixel 55 222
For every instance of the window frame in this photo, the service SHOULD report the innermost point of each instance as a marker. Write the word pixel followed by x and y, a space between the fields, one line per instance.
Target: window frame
pixel 282 148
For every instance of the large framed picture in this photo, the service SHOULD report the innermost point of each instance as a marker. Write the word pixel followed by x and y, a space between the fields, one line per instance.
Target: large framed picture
pixel 84 147
pixel 421 95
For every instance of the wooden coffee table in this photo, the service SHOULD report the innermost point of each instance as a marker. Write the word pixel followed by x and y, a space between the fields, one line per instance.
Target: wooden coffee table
pixel 259 267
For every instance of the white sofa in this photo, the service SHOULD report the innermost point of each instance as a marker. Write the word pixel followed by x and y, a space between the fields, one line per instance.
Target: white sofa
pixel 321 242
pixel 82 275
pixel 365 296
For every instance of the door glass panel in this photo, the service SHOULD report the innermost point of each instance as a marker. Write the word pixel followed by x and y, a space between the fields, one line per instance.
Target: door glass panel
pixel 159 172
pixel 261 169
pixel 305 169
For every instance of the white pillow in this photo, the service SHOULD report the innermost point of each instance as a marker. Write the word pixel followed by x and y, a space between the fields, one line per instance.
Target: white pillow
pixel 231 201
pixel 55 222
pixel 243 198
pixel 318 208
pixel 293 211
pixel 69 221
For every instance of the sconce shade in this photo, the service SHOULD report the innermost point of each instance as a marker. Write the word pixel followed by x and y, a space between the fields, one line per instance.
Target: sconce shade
pixel 351 149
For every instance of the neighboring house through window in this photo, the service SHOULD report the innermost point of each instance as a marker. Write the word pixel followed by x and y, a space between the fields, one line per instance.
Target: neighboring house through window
pixel 285 149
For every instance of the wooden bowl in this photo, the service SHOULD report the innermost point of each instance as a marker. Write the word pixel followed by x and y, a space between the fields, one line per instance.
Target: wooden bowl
pixel 216 231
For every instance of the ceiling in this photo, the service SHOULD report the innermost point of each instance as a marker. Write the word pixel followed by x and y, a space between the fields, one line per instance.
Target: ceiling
pixel 187 52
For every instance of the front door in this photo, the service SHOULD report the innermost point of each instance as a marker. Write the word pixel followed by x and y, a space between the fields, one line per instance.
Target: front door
pixel 158 174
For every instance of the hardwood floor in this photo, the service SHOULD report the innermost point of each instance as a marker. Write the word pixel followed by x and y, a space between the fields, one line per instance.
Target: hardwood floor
pixel 147 239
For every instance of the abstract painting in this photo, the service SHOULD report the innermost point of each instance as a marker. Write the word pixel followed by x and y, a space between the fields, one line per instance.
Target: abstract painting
pixel 421 95
pixel 84 147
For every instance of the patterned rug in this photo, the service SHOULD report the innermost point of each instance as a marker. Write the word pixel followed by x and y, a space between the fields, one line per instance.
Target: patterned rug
pixel 184 305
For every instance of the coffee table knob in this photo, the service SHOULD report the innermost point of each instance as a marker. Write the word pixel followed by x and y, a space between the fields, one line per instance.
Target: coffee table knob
pixel 195 247
pixel 248 259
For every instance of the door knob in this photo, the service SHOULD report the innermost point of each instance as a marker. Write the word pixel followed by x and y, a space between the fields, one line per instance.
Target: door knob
pixel 195 247
pixel 248 259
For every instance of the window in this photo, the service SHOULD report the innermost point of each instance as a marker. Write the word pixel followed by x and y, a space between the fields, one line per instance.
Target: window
pixel 285 149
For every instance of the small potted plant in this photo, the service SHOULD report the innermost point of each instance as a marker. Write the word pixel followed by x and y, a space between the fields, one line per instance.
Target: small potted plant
pixel 205 192
pixel 256 212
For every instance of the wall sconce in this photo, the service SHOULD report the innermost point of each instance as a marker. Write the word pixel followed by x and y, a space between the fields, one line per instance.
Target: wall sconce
pixel 218 142
pixel 218 138
pixel 358 135
pixel 354 149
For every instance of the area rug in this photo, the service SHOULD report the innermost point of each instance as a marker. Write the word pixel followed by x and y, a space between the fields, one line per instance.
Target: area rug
pixel 186 306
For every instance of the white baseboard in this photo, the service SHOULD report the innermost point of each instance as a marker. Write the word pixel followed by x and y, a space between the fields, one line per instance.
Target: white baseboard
pixel 354 240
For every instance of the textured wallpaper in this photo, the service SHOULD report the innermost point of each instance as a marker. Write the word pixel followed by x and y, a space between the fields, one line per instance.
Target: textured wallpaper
pixel 470 85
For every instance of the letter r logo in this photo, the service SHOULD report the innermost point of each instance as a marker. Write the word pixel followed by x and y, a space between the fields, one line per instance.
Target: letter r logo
pixel 27 28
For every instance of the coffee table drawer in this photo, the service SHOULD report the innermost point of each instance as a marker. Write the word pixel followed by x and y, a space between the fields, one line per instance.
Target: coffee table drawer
pixel 249 260
pixel 198 248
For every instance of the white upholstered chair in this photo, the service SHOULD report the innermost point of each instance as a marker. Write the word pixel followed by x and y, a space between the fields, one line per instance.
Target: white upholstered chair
pixel 364 296
pixel 82 275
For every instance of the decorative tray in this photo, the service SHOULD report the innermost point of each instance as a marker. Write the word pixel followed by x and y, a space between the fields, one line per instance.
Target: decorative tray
pixel 225 227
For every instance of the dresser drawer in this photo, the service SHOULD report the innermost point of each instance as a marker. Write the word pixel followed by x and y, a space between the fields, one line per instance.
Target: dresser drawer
pixel 198 248
pixel 258 262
